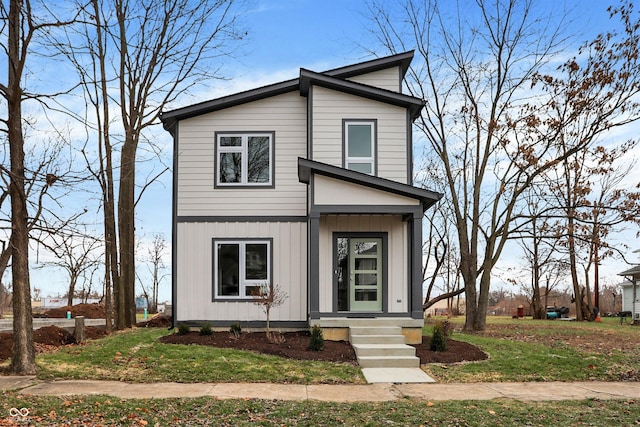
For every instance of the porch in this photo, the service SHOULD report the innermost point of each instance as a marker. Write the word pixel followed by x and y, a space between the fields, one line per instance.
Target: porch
pixel 337 328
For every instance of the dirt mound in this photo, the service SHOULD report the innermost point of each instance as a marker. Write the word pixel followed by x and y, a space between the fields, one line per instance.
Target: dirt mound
pixel 53 335
pixel 157 321
pixel 94 332
pixel 6 344
pixel 47 337
pixel 89 311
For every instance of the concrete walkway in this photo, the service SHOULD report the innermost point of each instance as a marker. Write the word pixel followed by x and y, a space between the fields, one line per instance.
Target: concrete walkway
pixel 527 392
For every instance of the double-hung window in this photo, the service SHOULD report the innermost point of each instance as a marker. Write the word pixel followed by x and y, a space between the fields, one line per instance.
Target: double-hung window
pixel 244 159
pixel 360 146
pixel 241 267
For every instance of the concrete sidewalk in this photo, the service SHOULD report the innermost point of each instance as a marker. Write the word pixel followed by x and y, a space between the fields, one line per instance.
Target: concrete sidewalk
pixel 527 392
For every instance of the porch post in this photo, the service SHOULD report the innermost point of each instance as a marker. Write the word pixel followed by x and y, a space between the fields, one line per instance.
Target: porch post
pixel 415 229
pixel 314 265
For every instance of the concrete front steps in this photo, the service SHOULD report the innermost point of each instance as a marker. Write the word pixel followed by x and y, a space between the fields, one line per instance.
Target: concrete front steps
pixel 382 347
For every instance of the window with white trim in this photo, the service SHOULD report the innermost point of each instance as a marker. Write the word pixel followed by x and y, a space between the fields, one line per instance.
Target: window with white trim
pixel 360 146
pixel 241 267
pixel 244 159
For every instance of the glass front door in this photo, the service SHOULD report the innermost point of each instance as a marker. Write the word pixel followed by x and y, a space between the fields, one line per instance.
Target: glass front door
pixel 359 273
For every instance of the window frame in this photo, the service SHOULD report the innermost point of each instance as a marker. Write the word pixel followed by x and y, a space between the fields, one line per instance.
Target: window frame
pixel 243 149
pixel 373 160
pixel 243 283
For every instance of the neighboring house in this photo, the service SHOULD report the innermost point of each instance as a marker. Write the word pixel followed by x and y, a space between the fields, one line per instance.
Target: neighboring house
pixel 631 292
pixel 306 184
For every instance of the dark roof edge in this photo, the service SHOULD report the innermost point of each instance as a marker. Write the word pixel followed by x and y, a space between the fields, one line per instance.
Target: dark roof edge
pixel 403 60
pixel 308 167
pixel 632 270
pixel 230 100
pixel 308 77
pixel 170 117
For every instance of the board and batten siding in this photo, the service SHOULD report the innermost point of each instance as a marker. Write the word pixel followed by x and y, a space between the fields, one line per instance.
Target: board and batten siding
pixel 283 114
pixel 194 270
pixel 397 274
pixel 330 107
pixel 388 79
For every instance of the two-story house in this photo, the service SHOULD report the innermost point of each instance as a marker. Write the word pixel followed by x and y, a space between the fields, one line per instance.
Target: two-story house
pixel 306 184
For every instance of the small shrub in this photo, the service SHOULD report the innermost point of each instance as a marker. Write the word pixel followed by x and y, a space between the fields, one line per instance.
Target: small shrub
pixel 235 330
pixel 206 329
pixel 439 337
pixel 316 340
pixel 183 329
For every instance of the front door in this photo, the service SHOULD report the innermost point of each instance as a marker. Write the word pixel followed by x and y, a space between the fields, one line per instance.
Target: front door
pixel 359 274
pixel 365 278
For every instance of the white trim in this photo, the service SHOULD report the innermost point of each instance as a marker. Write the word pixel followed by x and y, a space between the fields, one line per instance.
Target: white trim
pixel 243 150
pixel 243 282
pixel 371 160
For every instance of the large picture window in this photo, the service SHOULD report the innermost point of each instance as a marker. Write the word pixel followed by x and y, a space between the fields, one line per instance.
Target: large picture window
pixel 241 267
pixel 360 146
pixel 244 159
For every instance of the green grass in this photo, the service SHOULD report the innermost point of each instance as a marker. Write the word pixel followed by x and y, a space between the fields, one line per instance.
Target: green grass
pixel 519 350
pixel 537 350
pixel 137 356
pixel 100 410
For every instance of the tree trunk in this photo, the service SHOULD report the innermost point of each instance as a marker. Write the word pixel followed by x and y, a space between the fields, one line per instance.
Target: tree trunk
pixel 126 233
pixel 72 290
pixel 23 359
pixel 469 277
pixel 480 321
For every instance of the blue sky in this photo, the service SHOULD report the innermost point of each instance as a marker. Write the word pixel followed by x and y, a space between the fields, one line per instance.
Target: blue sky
pixel 283 36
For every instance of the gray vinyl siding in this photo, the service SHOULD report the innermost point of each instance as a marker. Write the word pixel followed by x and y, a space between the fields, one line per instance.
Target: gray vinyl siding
pixel 388 79
pixel 194 255
pixel 286 116
pixel 397 252
pixel 331 107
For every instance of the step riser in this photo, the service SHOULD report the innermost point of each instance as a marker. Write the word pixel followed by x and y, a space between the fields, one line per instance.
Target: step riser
pixel 387 352
pixel 376 330
pixel 377 339
pixel 375 362
pixel 382 347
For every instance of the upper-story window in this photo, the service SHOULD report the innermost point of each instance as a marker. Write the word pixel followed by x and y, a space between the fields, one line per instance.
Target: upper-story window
pixel 244 159
pixel 360 146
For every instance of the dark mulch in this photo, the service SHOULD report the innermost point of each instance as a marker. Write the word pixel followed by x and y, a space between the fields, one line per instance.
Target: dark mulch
pixel 294 346
pixel 296 343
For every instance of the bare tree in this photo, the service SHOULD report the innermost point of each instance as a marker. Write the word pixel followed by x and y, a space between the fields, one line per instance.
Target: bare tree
pixel 139 56
pixel 20 27
pixel 489 114
pixel 537 234
pixel 75 254
pixel 156 266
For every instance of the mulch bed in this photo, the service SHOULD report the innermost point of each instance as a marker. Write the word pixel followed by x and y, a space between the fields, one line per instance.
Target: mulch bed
pixel 296 343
